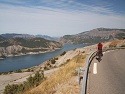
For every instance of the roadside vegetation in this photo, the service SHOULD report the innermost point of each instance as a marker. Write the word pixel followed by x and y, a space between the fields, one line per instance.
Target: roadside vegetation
pixel 31 82
pixel 52 62
pixel 38 84
pixel 66 72
pixel 115 43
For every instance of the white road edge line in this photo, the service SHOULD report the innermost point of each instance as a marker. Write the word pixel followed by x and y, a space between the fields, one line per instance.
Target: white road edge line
pixel 95 68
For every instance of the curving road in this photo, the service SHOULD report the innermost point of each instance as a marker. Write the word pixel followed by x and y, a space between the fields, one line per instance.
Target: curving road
pixel 108 76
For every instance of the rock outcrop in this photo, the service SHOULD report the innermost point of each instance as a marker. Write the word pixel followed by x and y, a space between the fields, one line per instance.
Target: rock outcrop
pixel 10 50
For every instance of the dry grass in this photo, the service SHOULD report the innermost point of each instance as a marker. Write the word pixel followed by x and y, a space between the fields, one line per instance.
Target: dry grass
pixel 49 86
pixel 114 43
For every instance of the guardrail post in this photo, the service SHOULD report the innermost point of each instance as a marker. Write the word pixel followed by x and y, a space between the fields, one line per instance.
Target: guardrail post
pixel 83 83
pixel 80 70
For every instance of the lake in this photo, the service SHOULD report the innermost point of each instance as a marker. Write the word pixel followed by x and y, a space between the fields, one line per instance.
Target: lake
pixel 26 61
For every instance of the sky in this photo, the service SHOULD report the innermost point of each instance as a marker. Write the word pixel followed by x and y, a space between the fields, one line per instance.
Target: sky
pixel 60 17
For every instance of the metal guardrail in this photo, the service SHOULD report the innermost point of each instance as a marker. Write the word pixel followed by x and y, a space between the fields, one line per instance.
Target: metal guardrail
pixel 86 69
pixel 85 76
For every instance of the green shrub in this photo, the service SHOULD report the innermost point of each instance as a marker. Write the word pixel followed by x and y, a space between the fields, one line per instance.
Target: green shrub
pixel 67 60
pixel 11 89
pixel 63 53
pixel 30 83
pixel 53 61
pixel 56 58
pixel 18 71
pixel 46 68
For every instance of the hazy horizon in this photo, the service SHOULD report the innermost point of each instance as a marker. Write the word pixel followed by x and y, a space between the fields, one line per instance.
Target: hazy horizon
pixel 55 36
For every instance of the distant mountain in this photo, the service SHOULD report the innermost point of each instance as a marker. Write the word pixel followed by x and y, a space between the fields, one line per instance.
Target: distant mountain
pixel 27 36
pixel 48 37
pixel 18 46
pixel 14 35
pixel 2 38
pixel 94 36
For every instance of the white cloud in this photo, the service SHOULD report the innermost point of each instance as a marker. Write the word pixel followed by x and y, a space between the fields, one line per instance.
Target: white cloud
pixel 55 22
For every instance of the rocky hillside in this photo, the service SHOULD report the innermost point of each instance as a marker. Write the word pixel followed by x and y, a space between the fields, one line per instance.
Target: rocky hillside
pixel 19 46
pixel 94 36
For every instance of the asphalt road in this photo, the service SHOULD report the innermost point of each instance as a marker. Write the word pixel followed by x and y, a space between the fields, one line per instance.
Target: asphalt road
pixel 108 76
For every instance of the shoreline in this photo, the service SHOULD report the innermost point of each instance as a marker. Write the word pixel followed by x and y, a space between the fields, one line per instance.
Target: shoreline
pixel 35 66
pixel 31 53
pixel 26 69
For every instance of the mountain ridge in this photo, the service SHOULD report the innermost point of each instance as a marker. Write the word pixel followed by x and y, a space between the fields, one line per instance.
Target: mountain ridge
pixel 28 36
pixel 94 36
pixel 15 35
pixel 47 37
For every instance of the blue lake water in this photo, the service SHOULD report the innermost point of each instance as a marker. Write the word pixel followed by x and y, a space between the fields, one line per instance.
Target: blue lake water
pixel 26 61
